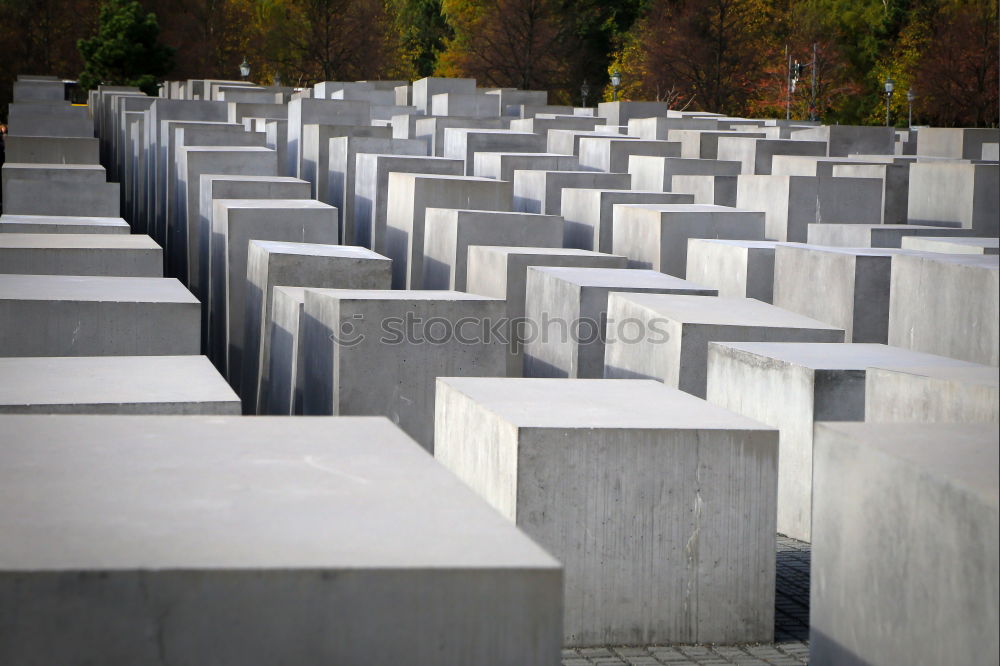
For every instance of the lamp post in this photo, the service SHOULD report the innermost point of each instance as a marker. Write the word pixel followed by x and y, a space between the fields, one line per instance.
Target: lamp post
pixel 909 108
pixel 245 69
pixel 616 80
pixel 584 91
pixel 890 85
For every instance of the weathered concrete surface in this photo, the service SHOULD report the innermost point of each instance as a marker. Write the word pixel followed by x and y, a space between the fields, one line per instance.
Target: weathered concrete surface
pixel 80 254
pixel 299 532
pixel 114 385
pixel 614 476
pixel 62 224
pixel 933 394
pixel 903 514
pixel 737 268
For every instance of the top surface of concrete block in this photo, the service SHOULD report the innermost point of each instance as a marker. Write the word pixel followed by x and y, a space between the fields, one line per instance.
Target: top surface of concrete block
pixel 844 356
pixel 596 403
pixel 77 242
pixel 283 204
pixel 318 249
pixel 62 223
pixel 964 373
pixel 617 278
pixel 400 295
pixel 721 311
pixel 117 380
pixel 93 289
pixel 190 492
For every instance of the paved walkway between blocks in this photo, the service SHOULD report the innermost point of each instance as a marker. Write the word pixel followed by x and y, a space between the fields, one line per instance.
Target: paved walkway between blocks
pixel 791 629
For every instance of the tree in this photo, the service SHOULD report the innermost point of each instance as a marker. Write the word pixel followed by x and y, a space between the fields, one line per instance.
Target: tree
pixel 327 40
pixel 711 54
pixel 956 73
pixel 424 31
pixel 125 50
pixel 526 44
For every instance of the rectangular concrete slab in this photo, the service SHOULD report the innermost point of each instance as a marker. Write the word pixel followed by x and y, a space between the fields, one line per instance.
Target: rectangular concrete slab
pixel 893 502
pixel 303 533
pixel 669 335
pixel 588 213
pixel 875 235
pixel 66 315
pixel 281 383
pixel 737 268
pixel 643 492
pixel 656 235
pixel 371 190
pixel 238 222
pixel 448 234
pixel 790 386
pixel 943 244
pixel 277 263
pixel 410 195
pixel 114 385
pixel 502 165
pixel 80 254
pixel 538 191
pixel 374 352
pixel 946 304
pixel 567 308
pixel 62 224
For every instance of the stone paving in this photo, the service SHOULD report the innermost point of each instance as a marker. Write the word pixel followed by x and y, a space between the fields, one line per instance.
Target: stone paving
pixel 791 629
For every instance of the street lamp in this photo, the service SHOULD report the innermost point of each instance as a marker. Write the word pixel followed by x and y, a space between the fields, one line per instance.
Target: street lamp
pixel 584 91
pixel 616 80
pixel 245 69
pixel 890 85
pixel 909 107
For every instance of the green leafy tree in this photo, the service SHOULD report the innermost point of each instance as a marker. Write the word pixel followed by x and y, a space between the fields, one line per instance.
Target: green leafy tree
pixel 125 50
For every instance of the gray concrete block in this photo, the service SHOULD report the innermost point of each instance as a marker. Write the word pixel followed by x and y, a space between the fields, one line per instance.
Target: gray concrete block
pixel 790 386
pixel 62 224
pixel 303 112
pixel 567 309
pixel 893 505
pixel 845 140
pixel 449 232
pixel 612 154
pixel 658 128
pixel 80 254
pixel 946 244
pixel 790 204
pixel 39 91
pixel 844 287
pixel 620 113
pixel 431 130
pixel 895 187
pixel 316 152
pixel 410 195
pixel 502 272
pixel 718 190
pixel 379 352
pixel 183 244
pixel 304 534
pixel 947 304
pixel 63 315
pixel 668 335
pixel 542 124
pixel 656 235
pixel 39 197
pixel 656 173
pixel 341 178
pixel 956 194
pixel 275 263
pixel 282 382
pixel 236 223
pixel 424 89
pixel 875 235
pixel 541 191
pixel 567 142
pixel 463 143
pixel 756 154
pixel 955 142
pixel 502 166
pixel 737 268
pixel 114 385
pixel 703 144
pixel 588 213
pixel 933 394
pixel 45 119
pixel 371 190
pixel 611 476
pixel 51 150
